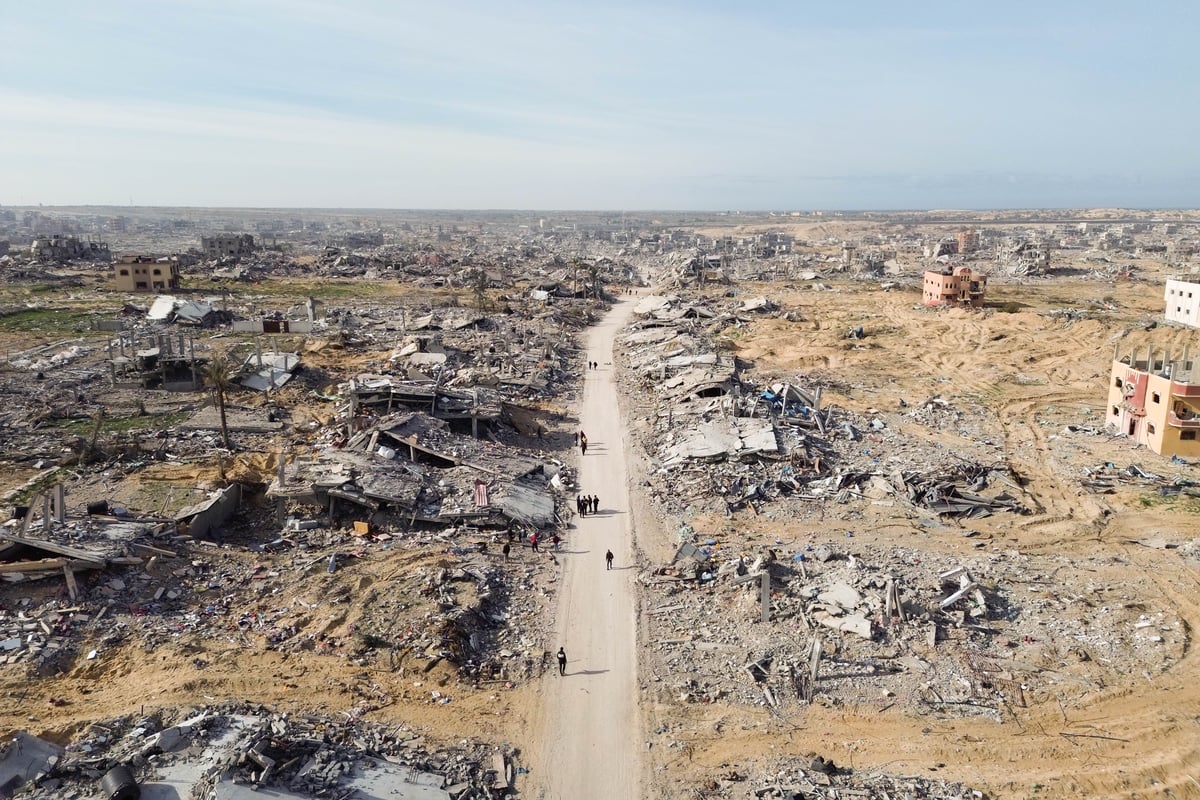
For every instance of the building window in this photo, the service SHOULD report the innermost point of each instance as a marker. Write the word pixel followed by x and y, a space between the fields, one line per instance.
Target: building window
pixel 1117 383
pixel 1154 396
pixel 125 273
pixel 1187 436
pixel 1116 411
pixel 158 272
pixel 1150 428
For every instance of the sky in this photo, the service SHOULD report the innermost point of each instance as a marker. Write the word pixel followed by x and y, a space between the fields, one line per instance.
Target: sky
pixel 658 104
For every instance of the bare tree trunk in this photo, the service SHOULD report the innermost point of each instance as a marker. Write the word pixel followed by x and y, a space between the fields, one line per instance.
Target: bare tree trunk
pixel 220 393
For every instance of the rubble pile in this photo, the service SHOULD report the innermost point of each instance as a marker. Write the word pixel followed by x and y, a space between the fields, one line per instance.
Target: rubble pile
pixel 202 753
pixel 910 627
pixel 119 579
pixel 818 777
pixel 1106 478
pixel 721 442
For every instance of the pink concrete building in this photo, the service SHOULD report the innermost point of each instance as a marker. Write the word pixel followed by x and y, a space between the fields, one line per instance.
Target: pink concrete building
pixel 962 287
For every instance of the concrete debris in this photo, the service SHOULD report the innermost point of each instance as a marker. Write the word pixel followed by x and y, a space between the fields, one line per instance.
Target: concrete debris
pixel 239 751
pixel 385 450
pixel 822 778
pixel 929 633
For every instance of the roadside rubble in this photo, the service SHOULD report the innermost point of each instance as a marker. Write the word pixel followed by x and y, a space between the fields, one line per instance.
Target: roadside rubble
pixel 452 597
pixel 720 441
pixel 409 468
pixel 234 750
pixel 916 630
pixel 819 777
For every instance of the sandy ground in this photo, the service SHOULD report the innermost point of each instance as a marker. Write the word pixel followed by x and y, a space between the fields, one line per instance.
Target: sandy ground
pixel 589 724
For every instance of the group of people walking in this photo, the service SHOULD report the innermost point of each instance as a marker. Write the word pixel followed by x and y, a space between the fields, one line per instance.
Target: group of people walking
pixel 584 504
pixel 587 505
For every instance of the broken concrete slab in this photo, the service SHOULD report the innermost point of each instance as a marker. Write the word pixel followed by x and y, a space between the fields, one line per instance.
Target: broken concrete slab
pixel 24 758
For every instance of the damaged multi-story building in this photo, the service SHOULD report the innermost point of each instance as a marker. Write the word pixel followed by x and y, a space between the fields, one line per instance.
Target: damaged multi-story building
pixel 68 248
pixel 146 274
pixel 1153 400
pixel 227 245
pixel 1025 258
pixel 961 286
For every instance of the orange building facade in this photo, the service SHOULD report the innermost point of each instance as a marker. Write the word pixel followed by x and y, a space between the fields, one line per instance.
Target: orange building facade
pixel 1152 400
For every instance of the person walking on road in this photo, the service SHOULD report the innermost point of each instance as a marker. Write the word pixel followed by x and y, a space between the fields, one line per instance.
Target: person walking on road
pixel 533 541
pixel 595 504
pixel 506 549
pixel 562 661
pixel 554 540
pixel 608 557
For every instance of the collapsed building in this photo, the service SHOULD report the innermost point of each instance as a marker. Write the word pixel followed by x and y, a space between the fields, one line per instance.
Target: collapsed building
pixel 69 248
pixel 409 468
pixel 1022 258
pixel 717 440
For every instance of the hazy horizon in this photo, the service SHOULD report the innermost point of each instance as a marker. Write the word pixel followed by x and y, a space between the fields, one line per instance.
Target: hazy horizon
pixel 616 105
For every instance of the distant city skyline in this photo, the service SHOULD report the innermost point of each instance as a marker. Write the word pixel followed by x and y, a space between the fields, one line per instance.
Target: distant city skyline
pixel 611 105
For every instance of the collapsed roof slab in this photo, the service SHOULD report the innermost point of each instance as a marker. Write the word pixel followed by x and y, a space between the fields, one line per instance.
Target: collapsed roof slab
pixel 728 437
pixel 228 790
pixel 22 758
pixel 531 505
pixel 212 513
pixel 395 782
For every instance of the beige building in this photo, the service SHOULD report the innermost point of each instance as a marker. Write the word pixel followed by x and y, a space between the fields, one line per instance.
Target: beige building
pixel 146 274
pixel 227 244
pixel 1152 400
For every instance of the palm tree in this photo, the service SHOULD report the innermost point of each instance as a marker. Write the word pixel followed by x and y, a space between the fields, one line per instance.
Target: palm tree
pixel 216 378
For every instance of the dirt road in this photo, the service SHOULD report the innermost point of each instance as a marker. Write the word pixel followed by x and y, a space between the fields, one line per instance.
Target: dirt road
pixel 590 723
